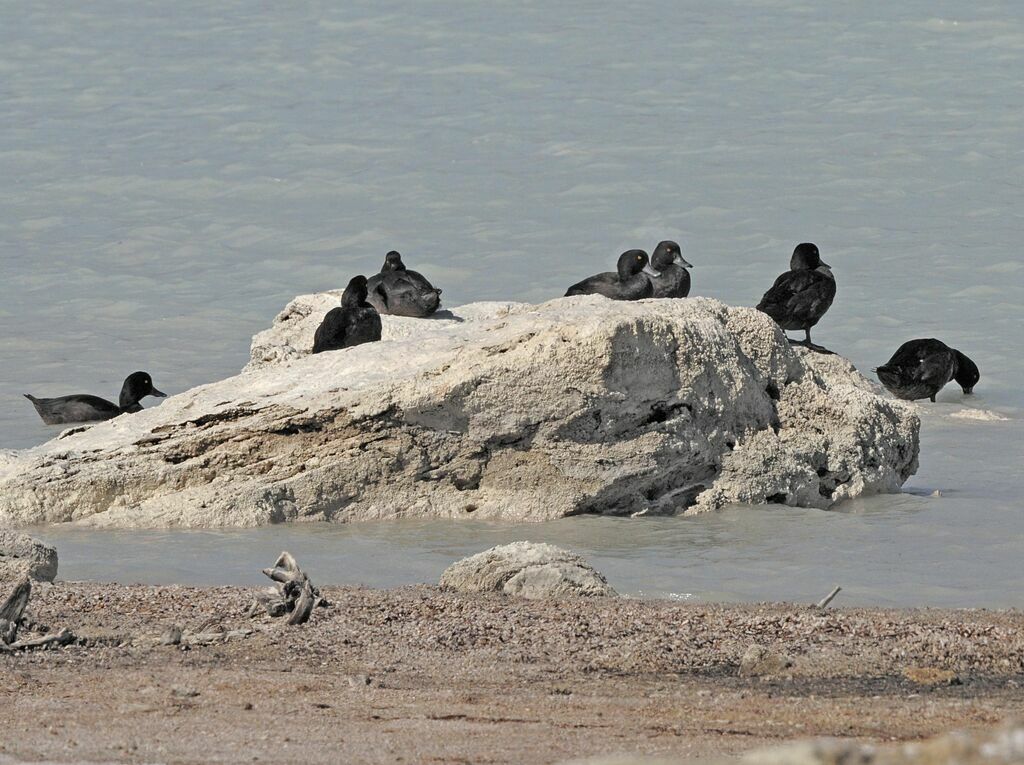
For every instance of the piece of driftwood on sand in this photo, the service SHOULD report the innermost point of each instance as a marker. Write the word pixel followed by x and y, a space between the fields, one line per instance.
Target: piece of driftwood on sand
pixel 293 594
pixel 12 615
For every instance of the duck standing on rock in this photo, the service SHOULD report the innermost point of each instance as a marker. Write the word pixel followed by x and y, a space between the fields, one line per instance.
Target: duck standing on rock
pixel 628 283
pixel 802 295
pixel 673 280
pixel 920 368
pixel 354 322
pixel 81 407
pixel 400 292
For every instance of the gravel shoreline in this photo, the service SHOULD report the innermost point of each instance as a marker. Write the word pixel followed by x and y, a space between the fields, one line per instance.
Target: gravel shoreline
pixel 420 675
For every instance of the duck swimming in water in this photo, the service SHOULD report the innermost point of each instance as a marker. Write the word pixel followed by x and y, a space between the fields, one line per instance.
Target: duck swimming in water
pixel 920 368
pixel 400 292
pixel 802 295
pixel 673 280
pixel 628 283
pixel 354 322
pixel 81 407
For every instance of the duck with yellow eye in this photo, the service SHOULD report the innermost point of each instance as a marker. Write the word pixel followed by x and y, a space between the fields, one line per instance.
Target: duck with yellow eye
pixel 82 407
pixel 628 282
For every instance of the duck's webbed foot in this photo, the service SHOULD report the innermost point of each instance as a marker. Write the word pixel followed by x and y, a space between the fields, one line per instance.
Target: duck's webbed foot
pixel 819 348
pixel 807 343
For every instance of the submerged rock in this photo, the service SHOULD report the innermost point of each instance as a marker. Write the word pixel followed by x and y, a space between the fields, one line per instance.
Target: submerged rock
pixel 21 556
pixel 498 410
pixel 529 570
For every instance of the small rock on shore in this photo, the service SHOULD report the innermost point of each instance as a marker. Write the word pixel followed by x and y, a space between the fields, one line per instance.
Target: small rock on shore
pixel 21 556
pixel 528 570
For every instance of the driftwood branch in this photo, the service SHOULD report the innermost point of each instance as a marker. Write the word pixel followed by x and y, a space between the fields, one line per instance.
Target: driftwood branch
pixel 64 637
pixel 13 609
pixel 12 616
pixel 828 598
pixel 294 593
pixel 17 601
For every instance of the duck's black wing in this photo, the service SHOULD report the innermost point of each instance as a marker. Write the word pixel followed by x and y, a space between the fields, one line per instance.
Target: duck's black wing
pixel 364 326
pixel 420 281
pixel 672 282
pixel 377 291
pixel 344 327
pixel 798 299
pixel 400 293
pixel 599 284
pixel 918 369
pixel 331 334
pixel 75 408
pixel 637 287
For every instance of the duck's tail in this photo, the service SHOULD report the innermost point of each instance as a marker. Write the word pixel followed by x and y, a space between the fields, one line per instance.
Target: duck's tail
pixel 889 374
pixel 31 398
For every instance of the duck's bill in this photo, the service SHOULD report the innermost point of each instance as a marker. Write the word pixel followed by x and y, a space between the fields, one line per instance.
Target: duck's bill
pixel 681 261
pixel 823 264
pixel 157 393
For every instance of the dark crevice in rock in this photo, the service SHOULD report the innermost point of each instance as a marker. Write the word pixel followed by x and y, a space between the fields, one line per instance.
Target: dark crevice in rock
pixel 664 493
pixel 612 421
pixel 468 483
pixel 830 481
pixel 663 411
pixel 228 415
pixel 294 428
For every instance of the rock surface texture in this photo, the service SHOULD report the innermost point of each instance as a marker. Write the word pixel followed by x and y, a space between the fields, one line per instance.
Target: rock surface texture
pixel 528 570
pixel 21 556
pixel 497 410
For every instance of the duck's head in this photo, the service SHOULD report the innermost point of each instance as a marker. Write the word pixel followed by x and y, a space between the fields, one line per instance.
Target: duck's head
pixel 393 262
pixel 667 253
pixel 136 387
pixel 967 373
pixel 806 258
pixel 355 293
pixel 631 262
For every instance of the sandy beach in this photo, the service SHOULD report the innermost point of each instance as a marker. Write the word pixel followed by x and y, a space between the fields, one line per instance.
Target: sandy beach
pixel 420 675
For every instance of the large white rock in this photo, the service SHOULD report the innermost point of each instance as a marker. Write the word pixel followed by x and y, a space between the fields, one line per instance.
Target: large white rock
pixel 578 405
pixel 529 570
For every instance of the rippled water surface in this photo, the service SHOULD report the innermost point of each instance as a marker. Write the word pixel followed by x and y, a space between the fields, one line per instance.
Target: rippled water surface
pixel 174 173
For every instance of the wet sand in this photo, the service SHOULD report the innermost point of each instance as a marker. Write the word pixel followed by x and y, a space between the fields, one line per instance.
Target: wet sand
pixel 416 675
